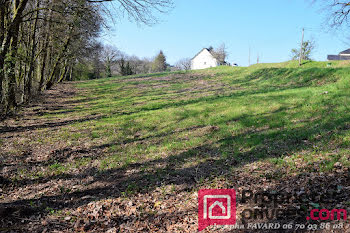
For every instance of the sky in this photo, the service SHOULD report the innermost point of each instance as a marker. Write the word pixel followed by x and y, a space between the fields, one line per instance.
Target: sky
pixel 270 28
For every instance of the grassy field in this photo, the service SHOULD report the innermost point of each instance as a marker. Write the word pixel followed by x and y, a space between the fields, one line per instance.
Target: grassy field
pixel 142 146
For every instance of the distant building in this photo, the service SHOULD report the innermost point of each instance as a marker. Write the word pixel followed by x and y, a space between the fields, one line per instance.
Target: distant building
pixel 345 55
pixel 205 59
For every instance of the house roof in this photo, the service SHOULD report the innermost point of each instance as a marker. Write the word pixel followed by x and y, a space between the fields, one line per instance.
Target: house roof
pixel 202 51
pixel 337 57
pixel 347 52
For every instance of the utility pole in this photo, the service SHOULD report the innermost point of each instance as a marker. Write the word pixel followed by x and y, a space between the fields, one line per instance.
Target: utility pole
pixel 301 48
pixel 258 59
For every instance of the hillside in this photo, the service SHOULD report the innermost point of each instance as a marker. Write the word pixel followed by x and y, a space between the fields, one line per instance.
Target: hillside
pixel 131 153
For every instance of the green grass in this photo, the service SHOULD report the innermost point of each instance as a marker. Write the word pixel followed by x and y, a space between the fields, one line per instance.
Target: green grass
pixel 295 118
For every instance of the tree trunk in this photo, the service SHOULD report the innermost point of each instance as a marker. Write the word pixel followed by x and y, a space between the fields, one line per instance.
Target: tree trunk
pixel 9 50
pixel 10 66
pixel 71 73
pixel 52 79
pixel 43 63
pixel 64 73
pixel 28 84
pixel 45 51
pixel 13 28
pixel 3 7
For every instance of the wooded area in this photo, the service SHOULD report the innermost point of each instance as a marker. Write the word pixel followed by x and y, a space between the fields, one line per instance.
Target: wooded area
pixel 44 42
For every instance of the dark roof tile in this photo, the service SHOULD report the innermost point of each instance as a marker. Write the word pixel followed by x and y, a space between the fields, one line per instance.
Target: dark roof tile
pixel 337 57
pixel 345 52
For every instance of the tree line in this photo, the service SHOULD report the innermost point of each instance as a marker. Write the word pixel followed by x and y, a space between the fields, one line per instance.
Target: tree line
pixel 108 61
pixel 44 42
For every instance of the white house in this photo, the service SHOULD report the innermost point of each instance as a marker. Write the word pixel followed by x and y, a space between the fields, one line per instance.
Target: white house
pixel 204 59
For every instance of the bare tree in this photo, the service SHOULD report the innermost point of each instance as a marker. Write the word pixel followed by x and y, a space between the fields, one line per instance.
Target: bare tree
pixel 220 53
pixel 140 65
pixel 140 11
pixel 338 11
pixel 183 64
pixel 110 55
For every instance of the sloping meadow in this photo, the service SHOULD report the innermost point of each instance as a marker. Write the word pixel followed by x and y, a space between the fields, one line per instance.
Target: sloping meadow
pixel 149 143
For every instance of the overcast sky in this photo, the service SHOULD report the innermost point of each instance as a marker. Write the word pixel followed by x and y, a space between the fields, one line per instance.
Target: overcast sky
pixel 271 28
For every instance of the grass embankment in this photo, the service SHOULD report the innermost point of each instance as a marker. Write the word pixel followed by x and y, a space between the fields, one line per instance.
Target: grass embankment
pixel 174 133
pixel 276 114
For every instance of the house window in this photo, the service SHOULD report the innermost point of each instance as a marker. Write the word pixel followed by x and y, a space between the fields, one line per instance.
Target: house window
pixel 205 63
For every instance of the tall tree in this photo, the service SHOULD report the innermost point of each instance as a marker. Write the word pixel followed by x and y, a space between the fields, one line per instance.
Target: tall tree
pixel 159 63
pixel 110 56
